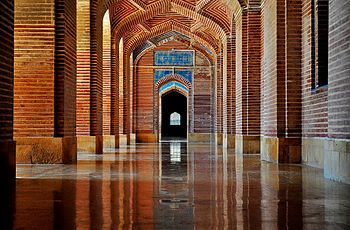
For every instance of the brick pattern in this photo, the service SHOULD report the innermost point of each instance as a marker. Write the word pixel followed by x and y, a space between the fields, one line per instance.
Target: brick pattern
pixel 34 68
pixel 339 70
pixel 65 68
pixel 248 84
pixel 218 93
pixel 106 75
pixel 202 102
pixel 83 67
pixel 146 117
pixel 96 72
pixel 114 88
pixel 293 68
pixel 231 83
pixel 282 68
pixel 6 69
pixel 238 76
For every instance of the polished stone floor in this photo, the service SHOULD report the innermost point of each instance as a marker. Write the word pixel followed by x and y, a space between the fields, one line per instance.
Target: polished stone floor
pixel 177 186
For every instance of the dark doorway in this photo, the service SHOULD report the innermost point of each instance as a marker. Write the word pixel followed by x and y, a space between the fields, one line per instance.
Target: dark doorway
pixel 174 116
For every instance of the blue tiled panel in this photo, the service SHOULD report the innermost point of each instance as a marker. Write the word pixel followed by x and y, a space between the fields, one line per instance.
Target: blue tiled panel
pixel 186 74
pixel 173 58
pixel 160 73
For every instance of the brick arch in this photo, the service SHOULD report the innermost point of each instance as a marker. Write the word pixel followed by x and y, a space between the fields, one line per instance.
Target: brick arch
pixel 162 7
pixel 195 47
pixel 158 85
pixel 167 27
pixel 209 57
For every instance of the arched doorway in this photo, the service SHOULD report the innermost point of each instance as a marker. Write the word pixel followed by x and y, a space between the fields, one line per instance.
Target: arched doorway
pixel 174 116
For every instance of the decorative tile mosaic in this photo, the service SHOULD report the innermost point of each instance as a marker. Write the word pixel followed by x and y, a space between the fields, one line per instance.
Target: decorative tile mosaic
pixel 160 73
pixel 174 58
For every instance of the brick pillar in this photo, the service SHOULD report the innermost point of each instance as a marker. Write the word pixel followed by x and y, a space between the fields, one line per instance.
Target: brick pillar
pixel 115 91
pixel 65 77
pixel 337 152
pixel 44 103
pixel 96 79
pixel 248 85
pixel 281 140
pixel 8 148
pixel 231 90
pixel 218 97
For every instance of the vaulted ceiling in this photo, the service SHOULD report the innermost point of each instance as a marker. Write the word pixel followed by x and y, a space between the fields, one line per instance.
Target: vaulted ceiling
pixel 202 24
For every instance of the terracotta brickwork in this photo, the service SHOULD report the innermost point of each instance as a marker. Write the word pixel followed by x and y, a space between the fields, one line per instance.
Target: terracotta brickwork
pixel 339 69
pixel 146 118
pixel 106 75
pixel 65 68
pixel 248 84
pixel 34 68
pixel 6 69
pixel 83 67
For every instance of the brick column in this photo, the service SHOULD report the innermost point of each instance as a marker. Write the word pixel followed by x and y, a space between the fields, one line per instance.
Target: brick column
pixel 7 149
pixel 337 152
pixel 231 90
pixel 281 140
pixel 44 103
pixel 65 77
pixel 115 91
pixel 96 79
pixel 248 85
pixel 218 97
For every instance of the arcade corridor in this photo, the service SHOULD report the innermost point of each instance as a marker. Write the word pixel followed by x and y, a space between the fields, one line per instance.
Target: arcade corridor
pixel 177 186
pixel 94 92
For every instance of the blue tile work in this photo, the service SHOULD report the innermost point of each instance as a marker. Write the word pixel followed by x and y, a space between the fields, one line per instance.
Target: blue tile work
pixel 141 48
pixel 160 73
pixel 177 84
pixel 160 38
pixel 174 58
pixel 172 84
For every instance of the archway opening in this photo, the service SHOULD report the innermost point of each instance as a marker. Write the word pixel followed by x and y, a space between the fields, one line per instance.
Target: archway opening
pixel 174 116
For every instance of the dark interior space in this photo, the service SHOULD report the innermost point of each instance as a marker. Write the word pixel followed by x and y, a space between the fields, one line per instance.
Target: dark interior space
pixel 174 104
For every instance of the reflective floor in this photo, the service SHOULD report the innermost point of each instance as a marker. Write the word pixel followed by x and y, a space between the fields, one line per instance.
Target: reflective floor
pixel 177 186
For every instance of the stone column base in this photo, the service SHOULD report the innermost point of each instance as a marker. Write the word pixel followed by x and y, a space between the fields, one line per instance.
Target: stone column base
pixel 231 139
pixel 218 138
pixel 146 138
pixel 123 139
pixel 281 150
pixel 199 137
pixel 90 144
pixel 108 141
pixel 46 150
pixel 7 162
pixel 337 160
pixel 247 144
pixel 131 138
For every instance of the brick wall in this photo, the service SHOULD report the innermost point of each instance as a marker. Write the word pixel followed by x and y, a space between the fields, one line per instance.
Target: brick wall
pixel 6 70
pixel 146 120
pixel 96 71
pixel 314 103
pixel 203 92
pixel 339 70
pixel 65 68
pixel 106 75
pixel 248 84
pixel 83 67
pixel 34 68
pixel 144 94
pixel 231 83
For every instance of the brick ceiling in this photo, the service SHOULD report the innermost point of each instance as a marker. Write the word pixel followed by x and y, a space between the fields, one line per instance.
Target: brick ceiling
pixel 205 22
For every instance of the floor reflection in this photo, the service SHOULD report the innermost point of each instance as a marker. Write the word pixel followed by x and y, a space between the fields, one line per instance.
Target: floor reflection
pixel 175 185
